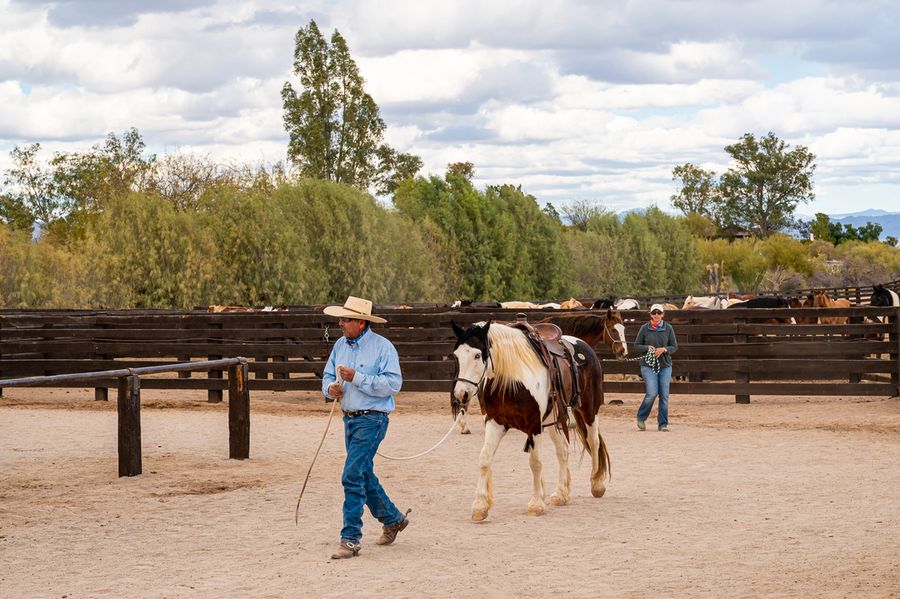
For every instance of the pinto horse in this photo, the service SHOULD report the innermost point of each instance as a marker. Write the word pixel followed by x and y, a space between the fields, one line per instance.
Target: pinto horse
pixel 593 329
pixel 498 364
pixel 882 296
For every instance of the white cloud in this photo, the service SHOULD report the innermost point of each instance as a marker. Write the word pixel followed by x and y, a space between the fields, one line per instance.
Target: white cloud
pixel 570 98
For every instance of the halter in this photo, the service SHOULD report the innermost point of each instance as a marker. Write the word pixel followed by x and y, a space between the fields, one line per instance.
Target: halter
pixel 464 405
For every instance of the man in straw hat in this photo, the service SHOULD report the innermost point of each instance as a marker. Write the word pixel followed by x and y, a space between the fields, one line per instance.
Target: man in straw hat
pixel 363 372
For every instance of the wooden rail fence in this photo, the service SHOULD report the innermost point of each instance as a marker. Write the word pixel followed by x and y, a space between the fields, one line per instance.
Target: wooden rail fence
pixel 129 403
pixel 731 352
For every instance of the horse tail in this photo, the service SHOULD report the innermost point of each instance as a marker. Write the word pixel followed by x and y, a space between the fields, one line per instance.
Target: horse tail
pixel 581 429
pixel 605 468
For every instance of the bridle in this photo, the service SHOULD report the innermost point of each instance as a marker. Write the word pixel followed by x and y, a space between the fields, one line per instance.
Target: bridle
pixel 463 406
pixel 607 333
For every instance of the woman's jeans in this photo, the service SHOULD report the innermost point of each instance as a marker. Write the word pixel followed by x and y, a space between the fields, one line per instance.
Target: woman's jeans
pixel 656 384
pixel 362 435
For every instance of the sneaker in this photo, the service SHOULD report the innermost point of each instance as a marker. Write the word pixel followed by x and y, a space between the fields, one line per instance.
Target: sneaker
pixel 641 425
pixel 347 549
pixel 389 533
pixel 664 429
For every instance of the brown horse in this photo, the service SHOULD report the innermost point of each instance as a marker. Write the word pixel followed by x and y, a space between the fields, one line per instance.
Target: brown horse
pixel 498 364
pixel 593 329
pixel 821 300
pixel 803 302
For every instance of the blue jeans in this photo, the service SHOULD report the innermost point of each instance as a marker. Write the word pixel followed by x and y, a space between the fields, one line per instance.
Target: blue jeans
pixel 656 384
pixel 362 435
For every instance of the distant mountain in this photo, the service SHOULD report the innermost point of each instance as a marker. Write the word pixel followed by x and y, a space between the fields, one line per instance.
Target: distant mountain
pixel 889 221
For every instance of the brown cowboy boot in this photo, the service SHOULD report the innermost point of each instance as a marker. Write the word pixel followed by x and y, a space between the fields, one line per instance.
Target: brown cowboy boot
pixel 346 550
pixel 389 533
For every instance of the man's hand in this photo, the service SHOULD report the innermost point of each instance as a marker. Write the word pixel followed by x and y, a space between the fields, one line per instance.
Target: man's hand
pixel 335 390
pixel 346 373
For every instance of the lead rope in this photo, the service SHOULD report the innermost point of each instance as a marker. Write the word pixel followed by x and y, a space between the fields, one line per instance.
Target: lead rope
pixel 325 433
pixel 652 361
pixel 436 445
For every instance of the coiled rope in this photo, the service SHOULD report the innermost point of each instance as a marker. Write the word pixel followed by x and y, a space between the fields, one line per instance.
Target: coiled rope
pixel 651 360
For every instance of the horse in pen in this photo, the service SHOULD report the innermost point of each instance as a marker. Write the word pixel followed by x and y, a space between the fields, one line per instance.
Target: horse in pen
pixel 593 329
pixel 498 363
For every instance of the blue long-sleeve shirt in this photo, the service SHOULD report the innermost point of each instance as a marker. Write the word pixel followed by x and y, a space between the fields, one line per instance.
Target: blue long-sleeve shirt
pixel 377 367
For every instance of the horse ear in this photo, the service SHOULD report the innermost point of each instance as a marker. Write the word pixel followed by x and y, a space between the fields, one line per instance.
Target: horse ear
pixel 457 329
pixel 609 313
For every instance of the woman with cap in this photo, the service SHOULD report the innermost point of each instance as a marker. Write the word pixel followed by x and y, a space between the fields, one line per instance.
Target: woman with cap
pixel 363 373
pixel 657 339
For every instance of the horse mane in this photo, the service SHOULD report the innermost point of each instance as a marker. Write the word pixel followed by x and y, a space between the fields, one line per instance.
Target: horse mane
pixel 512 356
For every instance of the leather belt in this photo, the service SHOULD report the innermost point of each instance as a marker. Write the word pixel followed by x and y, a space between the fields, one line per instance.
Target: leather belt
pixel 354 413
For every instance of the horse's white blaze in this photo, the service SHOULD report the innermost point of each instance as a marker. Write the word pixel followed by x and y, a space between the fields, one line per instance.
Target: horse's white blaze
pixel 894 297
pixel 471 367
pixel 620 329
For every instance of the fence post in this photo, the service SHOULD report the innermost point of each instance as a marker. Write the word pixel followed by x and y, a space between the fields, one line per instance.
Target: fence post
pixel 214 395
pixel 129 425
pixel 238 411
pixel 741 377
pixel 895 376
pixel 693 376
pixel 101 393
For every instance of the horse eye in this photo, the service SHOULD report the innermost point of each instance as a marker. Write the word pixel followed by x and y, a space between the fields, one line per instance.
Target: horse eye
pixel 478 355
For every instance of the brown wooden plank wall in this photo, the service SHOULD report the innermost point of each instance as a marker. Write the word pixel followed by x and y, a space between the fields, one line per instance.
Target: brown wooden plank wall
pixel 287 349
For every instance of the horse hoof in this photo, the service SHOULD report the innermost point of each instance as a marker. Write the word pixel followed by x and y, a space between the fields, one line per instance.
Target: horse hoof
pixel 557 500
pixel 465 432
pixel 598 491
pixel 537 510
pixel 479 515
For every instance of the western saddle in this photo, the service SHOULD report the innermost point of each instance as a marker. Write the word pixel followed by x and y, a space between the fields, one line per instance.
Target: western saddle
pixel 558 355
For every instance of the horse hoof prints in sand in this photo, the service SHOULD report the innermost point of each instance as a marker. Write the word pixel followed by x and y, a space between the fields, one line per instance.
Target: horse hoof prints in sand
pixel 498 364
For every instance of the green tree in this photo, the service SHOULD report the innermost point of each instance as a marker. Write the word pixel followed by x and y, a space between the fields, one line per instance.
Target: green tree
pixel 31 192
pixel 819 227
pixel 580 212
pixel 334 127
pixel 698 193
pixel 681 262
pixel 551 211
pixel 762 190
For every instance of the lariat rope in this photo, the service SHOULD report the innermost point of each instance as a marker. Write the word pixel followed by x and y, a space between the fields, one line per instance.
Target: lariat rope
pixel 311 464
pixel 334 403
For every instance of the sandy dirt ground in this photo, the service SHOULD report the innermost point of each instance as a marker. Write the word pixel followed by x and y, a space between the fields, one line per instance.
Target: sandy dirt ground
pixel 785 497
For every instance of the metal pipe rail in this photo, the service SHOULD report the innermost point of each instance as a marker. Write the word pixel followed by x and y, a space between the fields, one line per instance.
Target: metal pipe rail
pixel 129 404
pixel 35 381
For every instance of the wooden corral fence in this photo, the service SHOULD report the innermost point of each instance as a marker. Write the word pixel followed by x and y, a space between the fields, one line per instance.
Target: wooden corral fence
pixel 859 295
pixel 128 383
pixel 732 352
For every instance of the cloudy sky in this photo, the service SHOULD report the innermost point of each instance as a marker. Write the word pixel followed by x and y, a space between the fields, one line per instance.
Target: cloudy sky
pixel 574 100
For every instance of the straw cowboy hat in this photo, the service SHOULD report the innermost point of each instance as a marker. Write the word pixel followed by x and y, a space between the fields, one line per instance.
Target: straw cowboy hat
pixel 354 307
